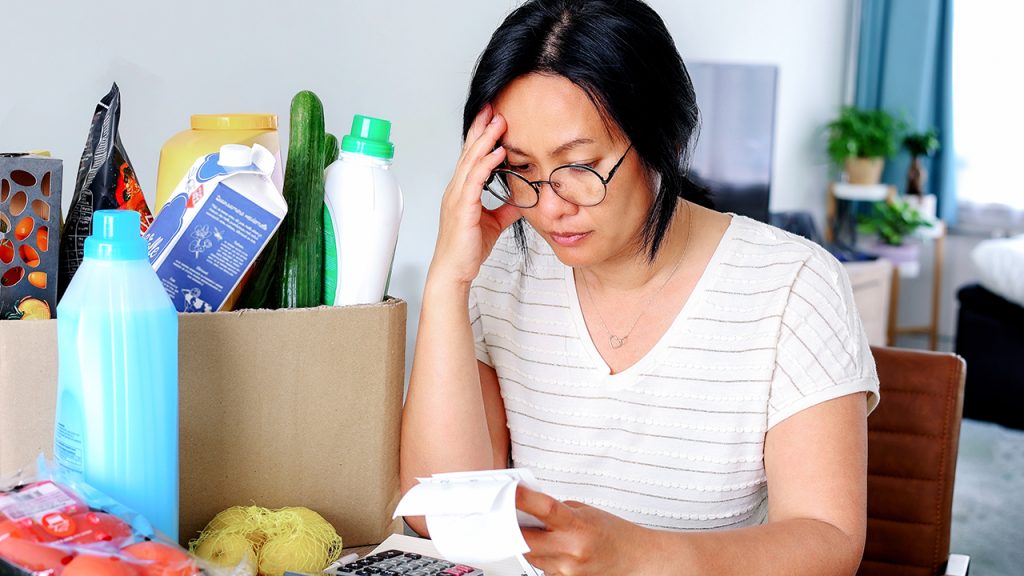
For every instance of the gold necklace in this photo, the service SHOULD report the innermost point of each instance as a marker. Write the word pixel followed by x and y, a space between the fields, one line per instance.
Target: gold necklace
pixel 619 341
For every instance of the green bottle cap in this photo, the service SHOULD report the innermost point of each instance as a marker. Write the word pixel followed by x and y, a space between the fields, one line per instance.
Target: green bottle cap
pixel 116 235
pixel 369 136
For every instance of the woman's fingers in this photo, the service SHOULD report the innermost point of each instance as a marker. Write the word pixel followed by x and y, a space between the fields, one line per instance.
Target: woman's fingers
pixel 554 514
pixel 479 150
pixel 477 127
pixel 480 172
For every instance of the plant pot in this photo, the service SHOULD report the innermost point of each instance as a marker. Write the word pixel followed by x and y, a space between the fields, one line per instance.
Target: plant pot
pixel 916 177
pixel 924 204
pixel 905 253
pixel 864 170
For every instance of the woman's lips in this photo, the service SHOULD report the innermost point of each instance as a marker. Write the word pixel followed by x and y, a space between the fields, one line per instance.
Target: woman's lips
pixel 568 238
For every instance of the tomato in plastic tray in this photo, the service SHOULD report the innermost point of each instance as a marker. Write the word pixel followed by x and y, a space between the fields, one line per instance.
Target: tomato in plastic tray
pixel 48 530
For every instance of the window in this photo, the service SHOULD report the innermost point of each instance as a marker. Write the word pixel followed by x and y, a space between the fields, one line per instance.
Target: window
pixel 988 121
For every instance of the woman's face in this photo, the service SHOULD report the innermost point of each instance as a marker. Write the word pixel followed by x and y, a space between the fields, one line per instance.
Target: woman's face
pixel 551 122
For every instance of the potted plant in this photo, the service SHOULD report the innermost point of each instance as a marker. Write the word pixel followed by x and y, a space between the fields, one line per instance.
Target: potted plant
pixel 860 141
pixel 919 144
pixel 893 222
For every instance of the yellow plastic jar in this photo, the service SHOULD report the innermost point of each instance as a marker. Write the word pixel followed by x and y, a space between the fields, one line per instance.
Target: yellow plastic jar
pixel 209 132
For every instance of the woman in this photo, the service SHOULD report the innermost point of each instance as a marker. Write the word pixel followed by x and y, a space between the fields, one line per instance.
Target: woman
pixel 690 387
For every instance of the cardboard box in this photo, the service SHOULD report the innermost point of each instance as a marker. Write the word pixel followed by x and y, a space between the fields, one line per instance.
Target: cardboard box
pixel 278 408
pixel 30 191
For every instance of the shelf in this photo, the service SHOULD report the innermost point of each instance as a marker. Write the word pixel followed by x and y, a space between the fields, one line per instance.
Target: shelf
pixel 860 192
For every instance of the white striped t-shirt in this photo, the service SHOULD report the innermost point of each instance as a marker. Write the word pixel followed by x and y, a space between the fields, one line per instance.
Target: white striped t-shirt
pixel 675 441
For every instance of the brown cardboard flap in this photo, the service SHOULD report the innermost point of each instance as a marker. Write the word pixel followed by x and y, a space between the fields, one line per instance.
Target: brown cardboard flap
pixel 278 408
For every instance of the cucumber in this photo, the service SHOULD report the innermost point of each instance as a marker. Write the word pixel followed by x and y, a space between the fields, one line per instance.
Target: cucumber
pixel 300 258
pixel 332 150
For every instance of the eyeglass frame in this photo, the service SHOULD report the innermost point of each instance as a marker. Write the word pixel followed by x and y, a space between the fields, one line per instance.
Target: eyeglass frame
pixel 536 184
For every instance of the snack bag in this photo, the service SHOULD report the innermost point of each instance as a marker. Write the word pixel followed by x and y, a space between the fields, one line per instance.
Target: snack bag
pixel 106 181
pixel 54 525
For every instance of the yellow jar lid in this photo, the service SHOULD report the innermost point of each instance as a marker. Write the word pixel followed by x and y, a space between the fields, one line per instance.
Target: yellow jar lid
pixel 234 121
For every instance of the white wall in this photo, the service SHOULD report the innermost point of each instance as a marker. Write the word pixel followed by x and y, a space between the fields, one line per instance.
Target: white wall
pixel 807 40
pixel 409 62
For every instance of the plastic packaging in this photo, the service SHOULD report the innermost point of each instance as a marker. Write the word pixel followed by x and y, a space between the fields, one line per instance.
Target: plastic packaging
pixel 208 133
pixel 117 396
pixel 106 181
pixel 362 213
pixel 52 524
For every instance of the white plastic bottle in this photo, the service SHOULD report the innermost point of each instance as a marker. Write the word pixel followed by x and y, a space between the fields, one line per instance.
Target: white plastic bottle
pixel 362 213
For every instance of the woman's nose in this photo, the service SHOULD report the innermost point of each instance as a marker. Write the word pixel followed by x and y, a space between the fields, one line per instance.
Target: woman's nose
pixel 550 204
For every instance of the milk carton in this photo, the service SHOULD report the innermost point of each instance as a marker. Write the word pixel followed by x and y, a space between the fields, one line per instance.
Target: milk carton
pixel 216 222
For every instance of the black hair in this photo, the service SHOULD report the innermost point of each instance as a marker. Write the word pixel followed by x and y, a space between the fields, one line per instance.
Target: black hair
pixel 620 53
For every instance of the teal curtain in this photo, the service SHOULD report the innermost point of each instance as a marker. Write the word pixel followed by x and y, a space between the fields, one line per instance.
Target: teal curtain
pixel 905 66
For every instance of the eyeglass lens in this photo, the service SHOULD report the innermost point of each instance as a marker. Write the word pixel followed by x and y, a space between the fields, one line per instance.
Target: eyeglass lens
pixel 575 184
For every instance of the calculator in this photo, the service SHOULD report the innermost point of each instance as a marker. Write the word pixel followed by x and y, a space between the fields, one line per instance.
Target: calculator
pixel 397 563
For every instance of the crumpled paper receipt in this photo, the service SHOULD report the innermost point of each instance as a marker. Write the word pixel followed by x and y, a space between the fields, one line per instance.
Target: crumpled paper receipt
pixel 472 516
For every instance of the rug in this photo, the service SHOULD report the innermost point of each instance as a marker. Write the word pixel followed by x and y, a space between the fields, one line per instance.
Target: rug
pixel 988 499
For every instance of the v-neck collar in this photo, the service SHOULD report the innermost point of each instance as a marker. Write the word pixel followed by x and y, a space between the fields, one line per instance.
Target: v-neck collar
pixel 628 377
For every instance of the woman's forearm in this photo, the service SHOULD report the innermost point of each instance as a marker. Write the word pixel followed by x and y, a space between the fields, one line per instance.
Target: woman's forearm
pixel 444 425
pixel 794 547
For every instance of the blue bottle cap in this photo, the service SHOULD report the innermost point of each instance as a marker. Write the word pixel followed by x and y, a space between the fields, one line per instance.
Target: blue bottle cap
pixel 116 235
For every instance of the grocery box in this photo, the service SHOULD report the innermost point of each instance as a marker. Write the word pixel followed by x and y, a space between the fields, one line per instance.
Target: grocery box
pixel 30 187
pixel 278 408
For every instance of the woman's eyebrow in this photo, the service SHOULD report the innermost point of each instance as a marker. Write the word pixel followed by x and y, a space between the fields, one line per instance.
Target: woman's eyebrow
pixel 570 145
pixel 561 149
pixel 512 149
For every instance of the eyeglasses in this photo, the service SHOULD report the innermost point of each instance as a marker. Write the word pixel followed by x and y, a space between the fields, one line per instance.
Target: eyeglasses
pixel 575 183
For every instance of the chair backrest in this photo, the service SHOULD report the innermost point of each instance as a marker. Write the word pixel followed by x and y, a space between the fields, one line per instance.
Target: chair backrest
pixel 913 437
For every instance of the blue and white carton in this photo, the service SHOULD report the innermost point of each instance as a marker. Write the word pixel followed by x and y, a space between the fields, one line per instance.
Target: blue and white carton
pixel 214 226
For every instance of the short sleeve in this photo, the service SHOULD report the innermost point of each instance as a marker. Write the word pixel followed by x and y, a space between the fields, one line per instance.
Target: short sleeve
pixel 476 321
pixel 823 352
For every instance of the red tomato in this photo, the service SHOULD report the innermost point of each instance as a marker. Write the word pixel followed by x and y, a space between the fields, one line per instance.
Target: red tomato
pixel 163 560
pixel 99 527
pixel 24 530
pixel 10 529
pixel 90 565
pixel 33 556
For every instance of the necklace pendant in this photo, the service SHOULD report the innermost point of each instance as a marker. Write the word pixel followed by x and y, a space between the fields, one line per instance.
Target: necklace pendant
pixel 615 341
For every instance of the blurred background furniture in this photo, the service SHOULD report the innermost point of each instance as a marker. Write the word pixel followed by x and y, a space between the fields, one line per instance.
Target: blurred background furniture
pixel 990 336
pixel 913 437
pixel 841 209
pixel 872 288
pixel 937 234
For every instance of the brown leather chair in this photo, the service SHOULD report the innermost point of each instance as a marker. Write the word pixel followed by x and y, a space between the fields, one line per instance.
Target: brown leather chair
pixel 913 437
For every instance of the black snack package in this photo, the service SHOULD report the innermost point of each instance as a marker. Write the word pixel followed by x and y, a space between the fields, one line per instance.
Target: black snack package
pixel 106 181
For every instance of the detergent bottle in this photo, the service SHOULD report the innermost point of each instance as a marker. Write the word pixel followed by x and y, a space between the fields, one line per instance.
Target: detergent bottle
pixel 362 212
pixel 117 374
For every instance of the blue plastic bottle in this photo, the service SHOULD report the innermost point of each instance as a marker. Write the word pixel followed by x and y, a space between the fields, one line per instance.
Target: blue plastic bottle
pixel 117 400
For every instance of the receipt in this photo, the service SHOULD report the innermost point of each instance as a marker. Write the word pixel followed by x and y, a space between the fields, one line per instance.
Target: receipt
pixel 472 516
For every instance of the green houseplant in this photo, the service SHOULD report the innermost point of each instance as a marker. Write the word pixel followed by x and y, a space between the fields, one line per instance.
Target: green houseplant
pixel 860 141
pixel 919 144
pixel 893 222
